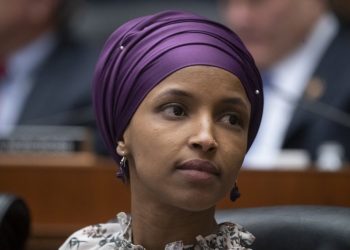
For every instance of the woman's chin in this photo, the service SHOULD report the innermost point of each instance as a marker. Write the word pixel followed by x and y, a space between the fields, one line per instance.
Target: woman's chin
pixel 197 203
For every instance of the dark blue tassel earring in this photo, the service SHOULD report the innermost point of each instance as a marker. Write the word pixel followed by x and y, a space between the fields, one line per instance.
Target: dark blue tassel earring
pixel 123 169
pixel 235 194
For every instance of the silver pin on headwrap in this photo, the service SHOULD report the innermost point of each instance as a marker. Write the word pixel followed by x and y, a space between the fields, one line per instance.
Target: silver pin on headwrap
pixel 257 92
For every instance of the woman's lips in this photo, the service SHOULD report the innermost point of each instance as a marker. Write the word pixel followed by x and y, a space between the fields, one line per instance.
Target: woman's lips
pixel 198 169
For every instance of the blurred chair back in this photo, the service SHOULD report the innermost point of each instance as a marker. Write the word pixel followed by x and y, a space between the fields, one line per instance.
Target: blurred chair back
pixel 14 222
pixel 294 227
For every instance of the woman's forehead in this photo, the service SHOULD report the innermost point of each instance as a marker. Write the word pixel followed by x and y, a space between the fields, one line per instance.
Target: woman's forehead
pixel 198 74
pixel 202 81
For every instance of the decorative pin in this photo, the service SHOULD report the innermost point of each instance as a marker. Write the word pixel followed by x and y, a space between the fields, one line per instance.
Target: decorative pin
pixel 121 47
pixel 257 92
pixel 315 89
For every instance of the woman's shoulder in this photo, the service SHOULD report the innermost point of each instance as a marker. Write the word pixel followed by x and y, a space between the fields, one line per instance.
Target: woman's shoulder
pixel 100 235
pixel 117 235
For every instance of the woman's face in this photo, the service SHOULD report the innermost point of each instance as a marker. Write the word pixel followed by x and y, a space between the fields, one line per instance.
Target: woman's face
pixel 186 142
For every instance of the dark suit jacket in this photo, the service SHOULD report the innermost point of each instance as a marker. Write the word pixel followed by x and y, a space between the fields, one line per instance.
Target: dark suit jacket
pixel 314 122
pixel 61 94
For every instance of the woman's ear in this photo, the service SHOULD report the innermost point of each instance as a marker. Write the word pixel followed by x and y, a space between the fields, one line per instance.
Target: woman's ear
pixel 121 148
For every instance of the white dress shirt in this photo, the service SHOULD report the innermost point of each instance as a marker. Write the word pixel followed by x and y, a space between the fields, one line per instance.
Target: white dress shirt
pixel 18 82
pixel 290 77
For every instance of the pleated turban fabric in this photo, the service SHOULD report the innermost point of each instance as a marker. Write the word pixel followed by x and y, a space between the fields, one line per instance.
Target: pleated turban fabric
pixel 145 50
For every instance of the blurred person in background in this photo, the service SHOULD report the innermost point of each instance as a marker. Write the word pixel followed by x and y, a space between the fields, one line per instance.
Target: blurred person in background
pixel 304 58
pixel 45 73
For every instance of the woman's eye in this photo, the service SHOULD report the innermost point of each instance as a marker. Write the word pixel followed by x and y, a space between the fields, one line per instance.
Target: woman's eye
pixel 174 110
pixel 231 119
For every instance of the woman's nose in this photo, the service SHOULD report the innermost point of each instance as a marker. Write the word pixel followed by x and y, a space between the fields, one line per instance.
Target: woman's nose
pixel 203 137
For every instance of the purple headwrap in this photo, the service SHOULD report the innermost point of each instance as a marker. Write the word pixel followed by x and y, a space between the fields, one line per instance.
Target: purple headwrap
pixel 145 50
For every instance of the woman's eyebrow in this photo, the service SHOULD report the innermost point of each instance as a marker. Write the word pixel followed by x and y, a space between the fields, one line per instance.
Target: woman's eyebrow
pixel 175 92
pixel 237 101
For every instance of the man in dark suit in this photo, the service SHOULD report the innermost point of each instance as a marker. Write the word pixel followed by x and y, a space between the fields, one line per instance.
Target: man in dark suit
pixel 323 115
pixel 302 52
pixel 47 74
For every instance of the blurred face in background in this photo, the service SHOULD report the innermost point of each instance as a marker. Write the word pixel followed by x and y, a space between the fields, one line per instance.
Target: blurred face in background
pixel 271 29
pixel 23 20
pixel 12 15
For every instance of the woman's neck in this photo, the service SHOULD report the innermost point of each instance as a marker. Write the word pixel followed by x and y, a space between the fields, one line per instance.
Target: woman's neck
pixel 154 226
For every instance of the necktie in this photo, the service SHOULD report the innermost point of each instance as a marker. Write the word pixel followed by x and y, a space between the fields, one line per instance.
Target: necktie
pixel 267 79
pixel 2 70
pixel 267 82
pixel 2 76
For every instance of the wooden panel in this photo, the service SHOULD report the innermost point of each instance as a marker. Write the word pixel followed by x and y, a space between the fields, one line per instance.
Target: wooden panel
pixel 311 187
pixel 62 195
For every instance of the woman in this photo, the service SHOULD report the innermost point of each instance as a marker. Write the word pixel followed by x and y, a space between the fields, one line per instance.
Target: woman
pixel 178 100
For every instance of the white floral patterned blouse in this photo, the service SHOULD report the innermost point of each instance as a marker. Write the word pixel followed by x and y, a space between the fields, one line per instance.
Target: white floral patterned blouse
pixel 117 236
